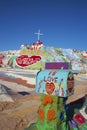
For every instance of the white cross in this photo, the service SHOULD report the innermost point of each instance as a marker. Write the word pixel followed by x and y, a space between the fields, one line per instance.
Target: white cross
pixel 38 33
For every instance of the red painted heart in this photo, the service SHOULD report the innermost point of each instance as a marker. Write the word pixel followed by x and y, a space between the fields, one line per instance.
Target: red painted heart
pixel 24 60
pixel 50 87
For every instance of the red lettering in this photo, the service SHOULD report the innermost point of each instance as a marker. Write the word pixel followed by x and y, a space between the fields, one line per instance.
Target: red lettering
pixel 24 60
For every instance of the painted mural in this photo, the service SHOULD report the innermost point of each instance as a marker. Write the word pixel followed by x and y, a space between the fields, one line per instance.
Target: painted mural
pixel 55 82
pixel 34 49
pixel 25 60
pixel 30 55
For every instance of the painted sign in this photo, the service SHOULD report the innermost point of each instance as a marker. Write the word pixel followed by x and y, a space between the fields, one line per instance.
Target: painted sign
pixel 55 82
pixel 24 60
pixel 57 65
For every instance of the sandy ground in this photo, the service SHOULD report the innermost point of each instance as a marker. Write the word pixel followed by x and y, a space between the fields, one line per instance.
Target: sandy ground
pixel 19 107
pixel 18 101
pixel 19 112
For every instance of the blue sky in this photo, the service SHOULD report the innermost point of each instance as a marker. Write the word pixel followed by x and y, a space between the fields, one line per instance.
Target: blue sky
pixel 63 23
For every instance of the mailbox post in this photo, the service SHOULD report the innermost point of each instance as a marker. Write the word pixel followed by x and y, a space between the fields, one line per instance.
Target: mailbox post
pixel 54 86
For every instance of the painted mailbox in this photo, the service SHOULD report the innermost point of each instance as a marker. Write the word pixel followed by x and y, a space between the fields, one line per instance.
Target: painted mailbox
pixel 54 86
pixel 55 82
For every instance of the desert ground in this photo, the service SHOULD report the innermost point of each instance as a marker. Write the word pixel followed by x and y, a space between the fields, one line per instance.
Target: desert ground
pixel 19 102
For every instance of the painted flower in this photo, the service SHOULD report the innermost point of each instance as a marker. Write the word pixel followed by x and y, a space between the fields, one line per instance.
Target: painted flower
pixel 73 123
pixel 41 113
pixel 47 100
pixel 51 114
pixel 79 118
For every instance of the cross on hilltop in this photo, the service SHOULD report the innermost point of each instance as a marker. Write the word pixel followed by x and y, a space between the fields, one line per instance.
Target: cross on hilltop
pixel 38 33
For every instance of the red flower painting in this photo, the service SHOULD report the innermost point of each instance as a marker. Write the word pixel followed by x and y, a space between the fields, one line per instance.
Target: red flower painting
pixel 79 118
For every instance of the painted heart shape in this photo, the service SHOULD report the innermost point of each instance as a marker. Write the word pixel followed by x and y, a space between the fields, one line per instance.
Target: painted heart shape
pixel 50 87
pixel 25 60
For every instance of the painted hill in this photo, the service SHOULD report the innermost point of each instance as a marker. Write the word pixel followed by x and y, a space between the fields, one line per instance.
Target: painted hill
pixel 77 58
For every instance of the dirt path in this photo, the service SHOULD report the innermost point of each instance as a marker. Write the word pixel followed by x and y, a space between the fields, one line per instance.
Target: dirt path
pixel 21 113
